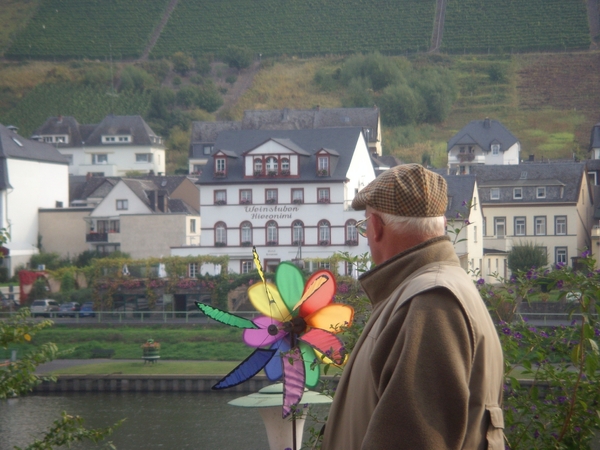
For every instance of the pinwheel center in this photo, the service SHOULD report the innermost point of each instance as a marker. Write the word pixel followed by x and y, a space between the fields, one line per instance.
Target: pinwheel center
pixel 297 325
pixel 273 330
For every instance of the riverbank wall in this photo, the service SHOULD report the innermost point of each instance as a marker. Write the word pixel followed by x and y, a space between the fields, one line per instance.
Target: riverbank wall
pixel 145 383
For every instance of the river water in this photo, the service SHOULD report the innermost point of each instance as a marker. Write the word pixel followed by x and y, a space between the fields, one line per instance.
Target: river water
pixel 165 421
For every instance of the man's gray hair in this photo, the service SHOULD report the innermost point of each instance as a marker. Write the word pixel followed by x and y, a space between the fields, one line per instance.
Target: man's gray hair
pixel 427 227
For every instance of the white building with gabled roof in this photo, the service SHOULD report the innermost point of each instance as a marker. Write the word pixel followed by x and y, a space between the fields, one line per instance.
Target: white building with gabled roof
pixel 286 192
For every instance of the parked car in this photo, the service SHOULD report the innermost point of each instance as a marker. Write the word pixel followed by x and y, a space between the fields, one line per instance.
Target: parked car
pixel 69 309
pixel 44 307
pixel 87 310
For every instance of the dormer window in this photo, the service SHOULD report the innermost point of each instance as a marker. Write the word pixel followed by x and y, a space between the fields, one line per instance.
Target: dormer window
pixel 220 167
pixel 285 166
pixel 55 139
pixel 258 167
pixel 540 192
pixel 124 139
pixel 495 149
pixel 323 165
pixel 207 149
pixel 272 165
pixel 462 149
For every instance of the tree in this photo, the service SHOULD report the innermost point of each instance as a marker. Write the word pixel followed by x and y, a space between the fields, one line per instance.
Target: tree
pixel 182 63
pixel 525 256
pixel 378 69
pixel 401 105
pixel 238 57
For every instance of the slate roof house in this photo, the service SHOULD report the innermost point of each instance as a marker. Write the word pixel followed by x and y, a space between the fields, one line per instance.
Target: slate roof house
pixel 143 217
pixel 463 205
pixel 33 175
pixel 549 204
pixel 204 134
pixel 116 145
pixel 482 142
pixel 287 192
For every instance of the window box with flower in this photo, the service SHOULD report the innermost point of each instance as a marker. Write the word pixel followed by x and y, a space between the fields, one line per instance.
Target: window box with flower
pixel 322 172
pixel 285 173
pixel 245 201
pixel 219 174
pixel 272 173
pixel 323 242
pixel 246 244
pixel 258 173
pixel 323 200
pixel 297 201
pixel 221 202
pixel 271 243
pixel 270 201
pixel 220 244
pixel 351 242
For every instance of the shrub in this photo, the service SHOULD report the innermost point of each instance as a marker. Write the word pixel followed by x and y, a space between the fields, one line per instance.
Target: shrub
pixel 526 255
pixel 379 70
pixel 182 63
pixel 238 57
pixel 401 105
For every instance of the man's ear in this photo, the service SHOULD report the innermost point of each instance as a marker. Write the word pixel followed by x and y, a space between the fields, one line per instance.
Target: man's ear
pixel 378 227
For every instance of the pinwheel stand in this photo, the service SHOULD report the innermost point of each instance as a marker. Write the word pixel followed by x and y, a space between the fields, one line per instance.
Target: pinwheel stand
pixel 280 432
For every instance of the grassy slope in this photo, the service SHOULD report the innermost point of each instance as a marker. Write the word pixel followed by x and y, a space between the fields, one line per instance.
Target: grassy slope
pixel 14 16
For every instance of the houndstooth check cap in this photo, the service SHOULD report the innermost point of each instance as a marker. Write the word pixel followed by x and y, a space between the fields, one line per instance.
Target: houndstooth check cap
pixel 408 190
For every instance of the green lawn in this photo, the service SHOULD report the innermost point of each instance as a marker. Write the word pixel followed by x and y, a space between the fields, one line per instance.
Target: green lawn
pixel 158 368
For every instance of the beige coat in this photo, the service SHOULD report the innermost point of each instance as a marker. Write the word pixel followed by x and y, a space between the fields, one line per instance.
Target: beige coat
pixel 427 372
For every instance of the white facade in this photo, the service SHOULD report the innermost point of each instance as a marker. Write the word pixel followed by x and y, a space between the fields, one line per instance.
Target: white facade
pixel 294 215
pixel 462 157
pixel 113 160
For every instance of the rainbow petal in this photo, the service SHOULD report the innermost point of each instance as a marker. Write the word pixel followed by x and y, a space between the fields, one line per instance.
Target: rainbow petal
pixel 260 337
pixel 319 292
pixel 270 305
pixel 290 283
pixel 293 380
pixel 309 357
pixel 246 369
pixel 331 317
pixel 326 343
pixel 274 368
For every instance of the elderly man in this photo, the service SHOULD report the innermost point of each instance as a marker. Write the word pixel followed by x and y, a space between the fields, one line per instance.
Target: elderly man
pixel 427 372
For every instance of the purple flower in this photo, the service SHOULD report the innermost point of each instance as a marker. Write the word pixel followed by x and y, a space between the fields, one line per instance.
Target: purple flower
pixel 506 331
pixel 559 284
pixel 510 291
pixel 458 215
pixel 464 203
pixel 536 434
pixel 480 281
pixel 585 254
pixel 517 335
pixel 467 222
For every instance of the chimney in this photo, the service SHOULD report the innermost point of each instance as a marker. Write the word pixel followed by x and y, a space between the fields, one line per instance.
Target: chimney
pixel 486 123
pixel 531 158
pixel 152 199
pixel 60 118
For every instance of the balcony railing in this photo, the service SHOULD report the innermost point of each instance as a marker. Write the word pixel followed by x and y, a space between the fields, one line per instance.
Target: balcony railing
pixel 96 237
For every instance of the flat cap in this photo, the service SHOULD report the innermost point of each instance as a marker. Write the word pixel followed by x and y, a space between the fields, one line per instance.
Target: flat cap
pixel 408 190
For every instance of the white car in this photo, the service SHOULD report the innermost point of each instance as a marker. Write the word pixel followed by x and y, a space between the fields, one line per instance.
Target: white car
pixel 44 308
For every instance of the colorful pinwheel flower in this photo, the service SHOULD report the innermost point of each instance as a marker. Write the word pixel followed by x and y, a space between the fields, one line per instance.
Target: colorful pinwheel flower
pixel 298 326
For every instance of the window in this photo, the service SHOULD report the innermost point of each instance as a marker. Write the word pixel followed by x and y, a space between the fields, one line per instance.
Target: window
pixel 246 234
pixel 272 233
pixel 560 225
pixel 102 226
pixel 561 255
pixel 109 139
pixel 324 232
pixel 351 233
pixel 271 195
pixel 474 233
pixel 540 192
pixel 124 139
pixel 220 165
pixel 520 224
pixel 192 270
pixel 272 165
pixel 246 266
pixel 99 158
pixel 297 196
pixel 122 205
pixel 49 139
pixel 518 193
pixel 484 226
pixel 221 197
pixel 323 165
pixel 114 226
pixel 462 149
pixel 143 157
pixel 323 195
pixel 207 149
pixel 495 149
pixel 285 166
pixel 499 227
pixel 192 225
pixel 245 196
pixel 297 233
pixel 324 265
pixel 495 194
pixel 258 166
pixel 540 226
pixel 198 168
pixel 220 234
pixel 474 203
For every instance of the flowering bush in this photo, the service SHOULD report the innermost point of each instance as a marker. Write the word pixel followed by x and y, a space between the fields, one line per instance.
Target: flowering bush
pixel 552 395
